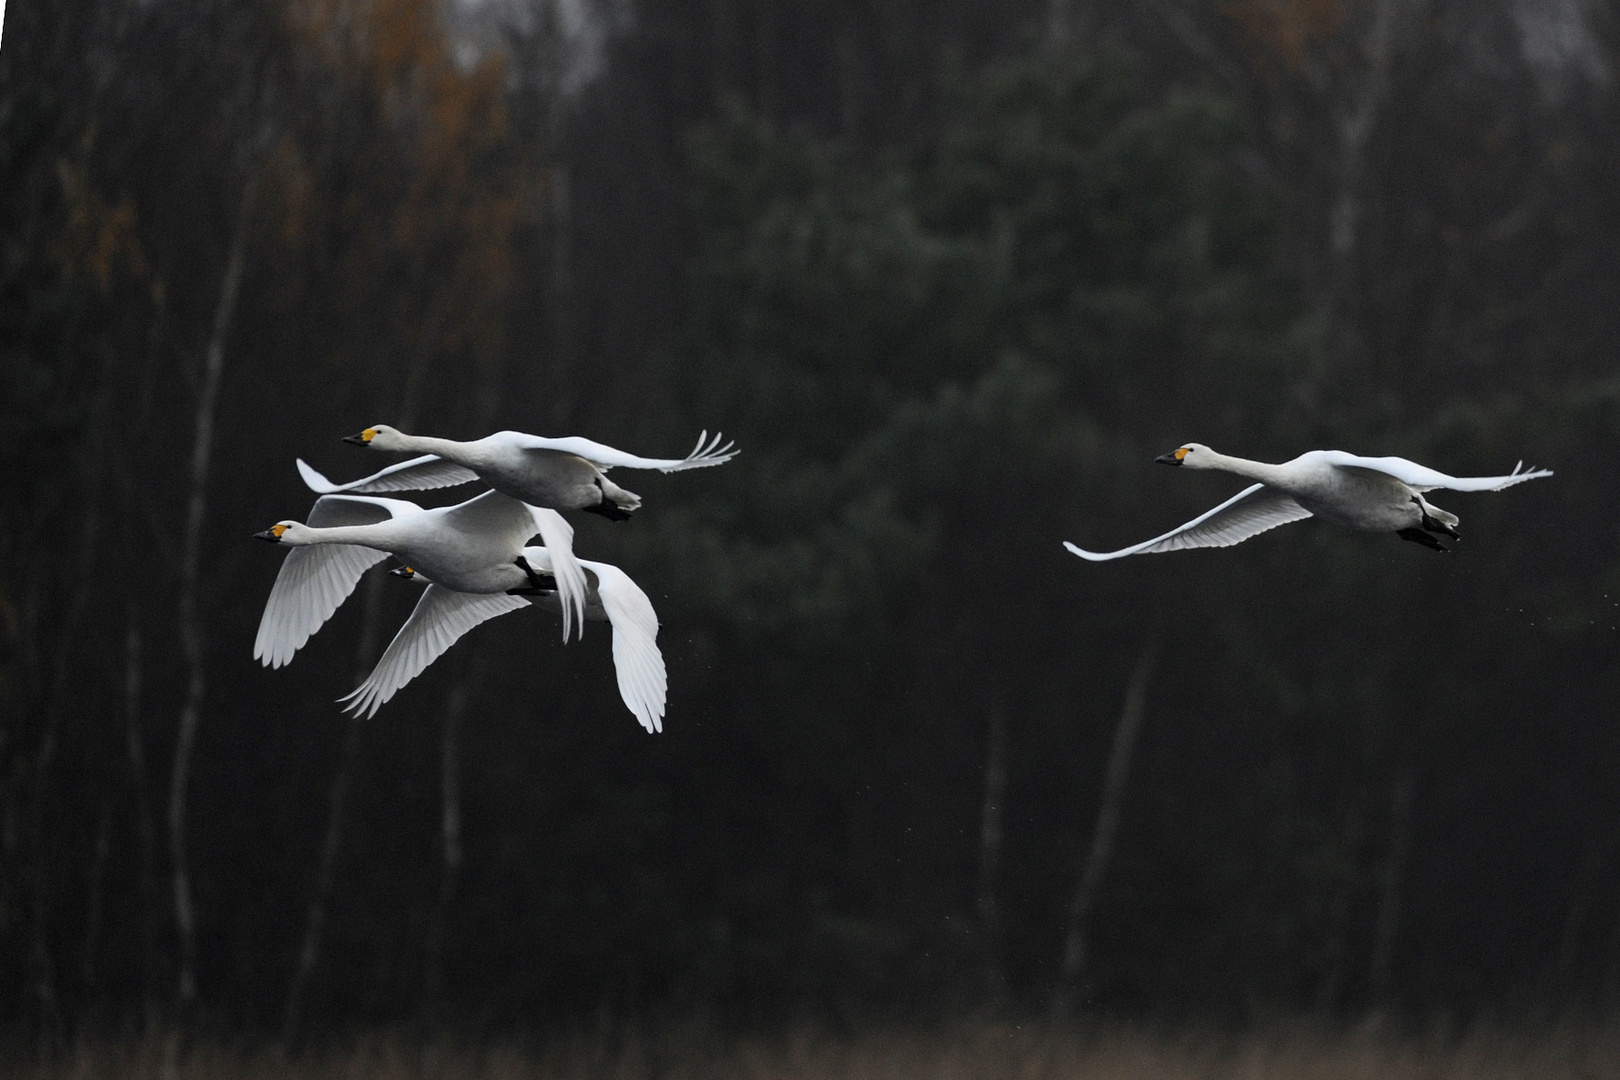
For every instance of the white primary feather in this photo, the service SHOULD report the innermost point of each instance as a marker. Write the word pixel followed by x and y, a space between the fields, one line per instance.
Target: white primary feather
pixel 606 457
pixel 438 621
pixel 1248 513
pixel 418 474
pixel 1422 478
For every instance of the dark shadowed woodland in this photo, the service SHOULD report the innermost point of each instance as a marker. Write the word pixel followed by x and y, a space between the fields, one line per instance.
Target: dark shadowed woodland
pixel 951 274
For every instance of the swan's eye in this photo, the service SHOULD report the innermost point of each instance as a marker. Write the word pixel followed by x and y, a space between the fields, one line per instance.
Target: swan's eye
pixel 277 530
pixel 1181 454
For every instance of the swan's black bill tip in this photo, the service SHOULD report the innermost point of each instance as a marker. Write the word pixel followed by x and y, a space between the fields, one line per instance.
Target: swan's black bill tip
pixel 354 440
pixel 269 534
pixel 1168 459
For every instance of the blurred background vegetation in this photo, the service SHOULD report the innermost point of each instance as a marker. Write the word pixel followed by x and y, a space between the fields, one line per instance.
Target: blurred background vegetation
pixel 951 273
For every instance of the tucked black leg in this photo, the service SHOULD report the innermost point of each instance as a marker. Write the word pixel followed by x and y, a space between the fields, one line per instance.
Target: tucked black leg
pixel 1418 536
pixel 538 582
pixel 1434 524
pixel 607 507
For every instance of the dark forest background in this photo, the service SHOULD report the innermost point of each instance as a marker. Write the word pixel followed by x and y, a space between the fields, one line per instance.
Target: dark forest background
pixel 951 274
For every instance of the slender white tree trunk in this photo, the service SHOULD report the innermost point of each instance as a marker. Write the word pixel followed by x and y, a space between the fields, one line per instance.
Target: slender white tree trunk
pixel 1076 942
pixel 1389 891
pixel 191 621
pixel 990 838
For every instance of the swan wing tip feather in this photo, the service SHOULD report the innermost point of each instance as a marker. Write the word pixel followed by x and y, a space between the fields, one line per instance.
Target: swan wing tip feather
pixel 314 480
pixel 1089 556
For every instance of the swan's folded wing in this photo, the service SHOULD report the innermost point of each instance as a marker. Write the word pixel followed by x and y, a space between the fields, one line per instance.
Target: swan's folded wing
pixel 314 581
pixel 1423 478
pixel 637 661
pixel 441 617
pixel 707 452
pixel 1248 513
pixel 417 474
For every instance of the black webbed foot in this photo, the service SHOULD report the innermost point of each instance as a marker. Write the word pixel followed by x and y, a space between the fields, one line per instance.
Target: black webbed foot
pixel 1418 536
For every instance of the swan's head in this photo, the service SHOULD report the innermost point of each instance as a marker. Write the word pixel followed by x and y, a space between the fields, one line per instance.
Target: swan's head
pixel 282 532
pixel 1193 455
pixel 407 573
pixel 378 437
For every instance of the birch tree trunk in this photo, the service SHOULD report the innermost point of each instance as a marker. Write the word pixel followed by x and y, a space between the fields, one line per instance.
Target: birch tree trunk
pixel 1389 892
pixel 449 836
pixel 990 837
pixel 135 746
pixel 1075 941
pixel 337 798
pixel 191 621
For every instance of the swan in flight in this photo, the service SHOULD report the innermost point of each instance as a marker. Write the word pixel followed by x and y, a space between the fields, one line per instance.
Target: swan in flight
pixel 555 532
pixel 1382 494
pixel 443 615
pixel 474 547
pixel 563 474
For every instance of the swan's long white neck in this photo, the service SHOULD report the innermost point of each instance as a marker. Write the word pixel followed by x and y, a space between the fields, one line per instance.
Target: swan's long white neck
pixel 459 452
pixel 378 535
pixel 1254 470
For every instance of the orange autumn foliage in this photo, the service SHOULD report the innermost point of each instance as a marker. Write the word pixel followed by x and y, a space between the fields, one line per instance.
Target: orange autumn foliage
pixel 431 218
pixel 1283 32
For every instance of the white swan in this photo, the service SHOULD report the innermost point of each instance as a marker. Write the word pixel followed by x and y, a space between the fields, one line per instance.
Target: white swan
pixel 474 546
pixel 1378 494
pixel 563 474
pixel 557 534
pixel 443 615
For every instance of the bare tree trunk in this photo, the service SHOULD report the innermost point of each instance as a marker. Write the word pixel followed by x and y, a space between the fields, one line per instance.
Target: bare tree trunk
pixel 990 837
pixel 135 745
pixel 1389 894
pixel 309 951
pixel 1575 920
pixel 190 620
pixel 95 906
pixel 1354 128
pixel 1075 942
pixel 449 836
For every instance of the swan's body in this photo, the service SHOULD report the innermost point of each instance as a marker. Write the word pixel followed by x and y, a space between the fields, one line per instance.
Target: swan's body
pixel 443 615
pixel 1377 494
pixel 563 474
pixel 472 547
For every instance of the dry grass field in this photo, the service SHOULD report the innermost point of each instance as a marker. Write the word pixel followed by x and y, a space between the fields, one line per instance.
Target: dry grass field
pixel 972 1051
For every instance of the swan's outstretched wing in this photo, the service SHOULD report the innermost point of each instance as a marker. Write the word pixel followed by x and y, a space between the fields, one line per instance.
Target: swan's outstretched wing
pixel 441 617
pixel 314 581
pixel 1248 513
pixel 636 659
pixel 417 474
pixel 1423 478
pixel 707 452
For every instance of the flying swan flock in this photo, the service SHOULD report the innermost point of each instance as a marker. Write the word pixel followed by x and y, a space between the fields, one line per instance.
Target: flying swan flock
pixel 1383 494
pixel 473 557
